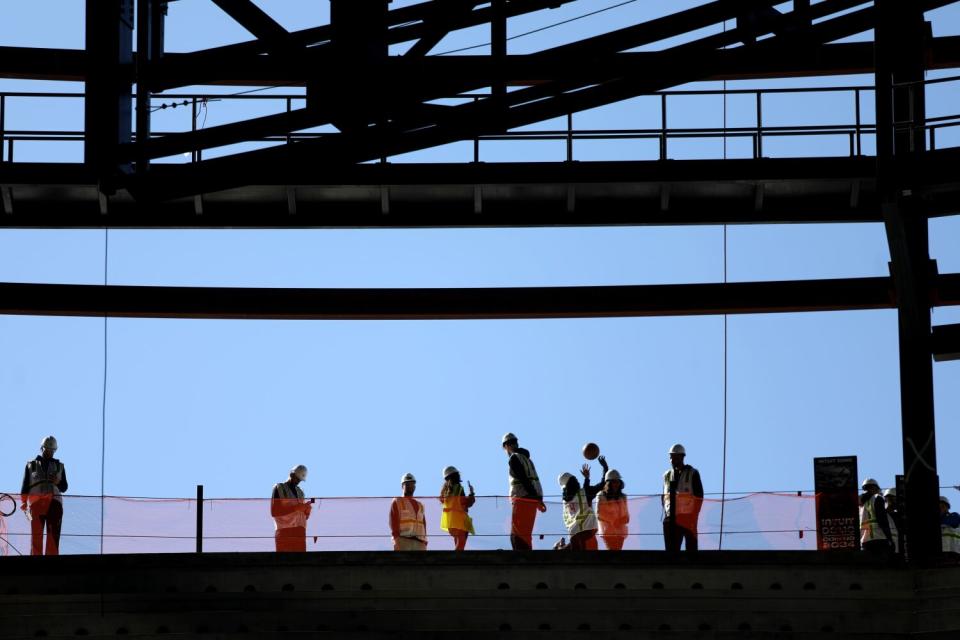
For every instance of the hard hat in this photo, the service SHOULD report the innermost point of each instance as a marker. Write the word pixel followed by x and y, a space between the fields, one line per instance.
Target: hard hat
pixel 944 500
pixel 449 471
pixel 869 482
pixel 300 471
pixel 613 474
pixel 49 443
pixel 407 477
pixel 678 448
pixel 508 437
pixel 892 493
pixel 564 479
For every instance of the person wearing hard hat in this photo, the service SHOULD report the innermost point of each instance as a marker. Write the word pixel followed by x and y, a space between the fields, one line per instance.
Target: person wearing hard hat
pixel 578 515
pixel 682 499
pixel 893 519
pixel 949 528
pixel 454 519
pixel 875 534
pixel 408 522
pixel 290 512
pixel 41 499
pixel 526 494
pixel 612 513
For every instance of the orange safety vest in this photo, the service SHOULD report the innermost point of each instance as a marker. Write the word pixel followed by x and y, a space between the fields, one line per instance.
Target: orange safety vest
pixel 413 522
pixel 613 515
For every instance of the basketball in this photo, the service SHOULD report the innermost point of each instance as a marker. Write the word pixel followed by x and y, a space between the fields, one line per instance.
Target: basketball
pixel 591 451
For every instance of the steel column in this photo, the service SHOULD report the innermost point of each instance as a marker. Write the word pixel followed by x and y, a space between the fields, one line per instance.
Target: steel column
pixel 900 112
pixel 107 105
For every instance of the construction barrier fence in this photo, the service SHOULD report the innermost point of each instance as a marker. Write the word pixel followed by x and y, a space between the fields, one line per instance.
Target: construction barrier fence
pixel 95 524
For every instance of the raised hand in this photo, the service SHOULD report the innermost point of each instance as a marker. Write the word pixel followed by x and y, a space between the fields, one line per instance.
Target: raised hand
pixel 603 462
pixel 585 470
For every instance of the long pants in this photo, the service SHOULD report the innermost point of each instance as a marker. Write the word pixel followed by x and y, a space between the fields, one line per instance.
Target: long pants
pixel 673 535
pixel 48 513
pixel 291 539
pixel 459 539
pixel 584 541
pixel 521 524
pixel 613 541
pixel 409 544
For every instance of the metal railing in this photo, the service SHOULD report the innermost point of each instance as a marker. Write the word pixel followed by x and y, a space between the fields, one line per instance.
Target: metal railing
pixel 854 132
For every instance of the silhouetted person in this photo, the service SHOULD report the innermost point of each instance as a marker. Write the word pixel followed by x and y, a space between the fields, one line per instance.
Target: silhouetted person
pixel 44 480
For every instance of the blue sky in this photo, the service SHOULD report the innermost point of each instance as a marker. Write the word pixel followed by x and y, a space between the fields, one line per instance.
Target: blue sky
pixel 233 405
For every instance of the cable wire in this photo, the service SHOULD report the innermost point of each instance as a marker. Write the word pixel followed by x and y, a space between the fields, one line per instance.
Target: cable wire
pixel 723 477
pixel 103 404
pixel 543 28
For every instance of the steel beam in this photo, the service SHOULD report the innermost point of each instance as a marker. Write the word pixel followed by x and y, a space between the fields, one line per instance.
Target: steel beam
pixel 458 304
pixel 946 342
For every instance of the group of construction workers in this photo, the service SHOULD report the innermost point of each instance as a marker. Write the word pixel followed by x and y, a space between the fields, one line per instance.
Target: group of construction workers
pixel 880 522
pixel 588 510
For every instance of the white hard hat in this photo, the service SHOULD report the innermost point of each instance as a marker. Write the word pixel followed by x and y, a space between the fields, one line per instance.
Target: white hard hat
pixel 868 482
pixel 507 437
pixel 407 477
pixel 892 493
pixel 944 500
pixel 564 479
pixel 300 471
pixel 613 474
pixel 449 471
pixel 678 448
pixel 49 443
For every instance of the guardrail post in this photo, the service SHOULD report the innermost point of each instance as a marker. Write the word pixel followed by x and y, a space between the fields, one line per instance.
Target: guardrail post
pixel 199 518
pixel 3 126
pixel 663 126
pixel 759 124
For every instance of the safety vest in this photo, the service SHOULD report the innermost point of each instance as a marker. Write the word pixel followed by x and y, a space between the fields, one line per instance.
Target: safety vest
pixel 516 487
pixel 578 514
pixel 45 482
pixel 613 515
pixel 950 537
pixel 686 501
pixel 869 524
pixel 289 496
pixel 413 523
pixel 454 514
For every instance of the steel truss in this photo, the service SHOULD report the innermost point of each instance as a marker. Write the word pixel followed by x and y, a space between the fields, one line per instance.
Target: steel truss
pixel 384 105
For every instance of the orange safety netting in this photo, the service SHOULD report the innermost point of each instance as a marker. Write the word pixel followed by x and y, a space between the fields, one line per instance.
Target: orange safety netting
pixel 762 521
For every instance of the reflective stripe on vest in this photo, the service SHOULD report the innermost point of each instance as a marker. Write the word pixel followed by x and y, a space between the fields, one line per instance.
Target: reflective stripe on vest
pixel 684 489
pixel 578 515
pixel 516 487
pixel 950 538
pixel 869 525
pixel 412 523
pixel 290 520
pixel 45 482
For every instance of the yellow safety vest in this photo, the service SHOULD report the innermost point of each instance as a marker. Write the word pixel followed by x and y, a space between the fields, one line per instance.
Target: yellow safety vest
pixel 869 524
pixel 454 514
pixel 578 514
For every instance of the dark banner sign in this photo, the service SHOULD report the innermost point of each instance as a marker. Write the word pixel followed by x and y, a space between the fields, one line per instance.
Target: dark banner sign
pixel 838 507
